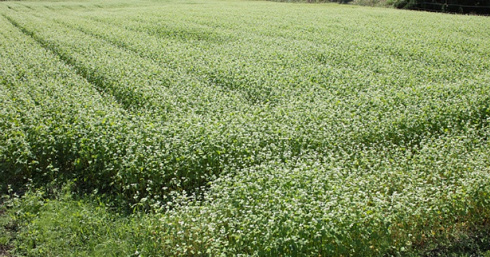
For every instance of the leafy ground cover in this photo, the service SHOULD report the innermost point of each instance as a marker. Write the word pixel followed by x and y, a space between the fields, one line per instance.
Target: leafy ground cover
pixel 242 128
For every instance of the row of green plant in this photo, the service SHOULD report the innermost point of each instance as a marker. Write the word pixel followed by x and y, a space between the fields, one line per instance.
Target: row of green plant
pixel 270 130
pixel 370 206
pixel 57 126
pixel 141 93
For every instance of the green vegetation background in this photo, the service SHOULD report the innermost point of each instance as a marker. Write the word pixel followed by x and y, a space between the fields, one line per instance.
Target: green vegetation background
pixel 205 128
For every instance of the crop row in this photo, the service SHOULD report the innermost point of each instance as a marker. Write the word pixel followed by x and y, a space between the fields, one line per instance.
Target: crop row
pixel 390 104
pixel 211 110
pixel 381 202
pixel 396 96
pixel 59 126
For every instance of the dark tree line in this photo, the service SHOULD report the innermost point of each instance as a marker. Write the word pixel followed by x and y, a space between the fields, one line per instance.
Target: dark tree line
pixel 481 7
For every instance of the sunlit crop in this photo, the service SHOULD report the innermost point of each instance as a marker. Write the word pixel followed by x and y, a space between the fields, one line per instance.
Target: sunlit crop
pixel 243 127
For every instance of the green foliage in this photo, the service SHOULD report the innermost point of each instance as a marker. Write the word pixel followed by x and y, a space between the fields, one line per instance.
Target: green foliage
pixel 65 226
pixel 243 128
